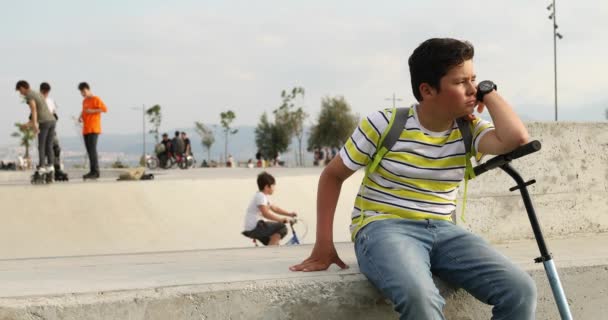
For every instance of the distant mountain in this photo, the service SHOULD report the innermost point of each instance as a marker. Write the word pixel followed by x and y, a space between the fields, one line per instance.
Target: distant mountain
pixel 128 147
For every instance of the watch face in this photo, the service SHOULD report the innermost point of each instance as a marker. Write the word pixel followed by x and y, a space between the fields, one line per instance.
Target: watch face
pixel 486 86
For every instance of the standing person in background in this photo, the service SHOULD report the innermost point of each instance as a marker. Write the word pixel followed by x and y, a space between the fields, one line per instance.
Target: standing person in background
pixel 45 89
pixel 258 157
pixel 92 107
pixel 230 162
pixel 327 156
pixel 43 124
pixel 316 157
pixel 187 145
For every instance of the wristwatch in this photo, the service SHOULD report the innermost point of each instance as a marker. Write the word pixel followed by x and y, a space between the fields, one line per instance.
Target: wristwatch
pixel 484 88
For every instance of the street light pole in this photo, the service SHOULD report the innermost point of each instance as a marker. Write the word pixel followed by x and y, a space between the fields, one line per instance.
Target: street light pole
pixel 553 16
pixel 143 124
pixel 394 99
pixel 143 128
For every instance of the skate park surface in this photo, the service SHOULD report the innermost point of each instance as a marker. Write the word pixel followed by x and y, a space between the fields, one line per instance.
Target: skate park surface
pixel 171 248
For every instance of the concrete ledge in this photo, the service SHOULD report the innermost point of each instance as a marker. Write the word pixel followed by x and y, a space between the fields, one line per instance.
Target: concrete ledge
pixel 255 284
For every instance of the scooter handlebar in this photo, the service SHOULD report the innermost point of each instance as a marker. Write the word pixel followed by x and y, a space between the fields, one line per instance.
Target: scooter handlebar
pixel 500 160
pixel 524 150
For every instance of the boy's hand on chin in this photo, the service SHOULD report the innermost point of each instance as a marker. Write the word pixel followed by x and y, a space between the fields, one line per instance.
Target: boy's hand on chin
pixel 480 106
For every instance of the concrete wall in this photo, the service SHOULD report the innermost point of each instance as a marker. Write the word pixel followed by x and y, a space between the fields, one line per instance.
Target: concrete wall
pixel 207 212
pixel 571 172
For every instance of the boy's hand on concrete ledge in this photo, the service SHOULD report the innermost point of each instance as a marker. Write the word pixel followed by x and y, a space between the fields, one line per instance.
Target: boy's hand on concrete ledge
pixel 322 256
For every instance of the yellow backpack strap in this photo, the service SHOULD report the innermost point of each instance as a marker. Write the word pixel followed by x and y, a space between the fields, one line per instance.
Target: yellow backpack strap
pixel 467 137
pixel 388 138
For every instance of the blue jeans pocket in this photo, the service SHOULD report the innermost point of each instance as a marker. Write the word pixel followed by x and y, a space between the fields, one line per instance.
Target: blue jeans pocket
pixel 360 242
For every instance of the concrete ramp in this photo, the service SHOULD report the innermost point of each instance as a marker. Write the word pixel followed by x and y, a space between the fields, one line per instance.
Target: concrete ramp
pixel 109 217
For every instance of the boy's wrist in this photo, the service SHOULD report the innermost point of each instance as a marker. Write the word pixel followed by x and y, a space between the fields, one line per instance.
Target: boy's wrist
pixel 491 99
pixel 324 238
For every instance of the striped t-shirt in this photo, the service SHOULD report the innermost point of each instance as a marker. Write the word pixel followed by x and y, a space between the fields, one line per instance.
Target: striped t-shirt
pixel 418 178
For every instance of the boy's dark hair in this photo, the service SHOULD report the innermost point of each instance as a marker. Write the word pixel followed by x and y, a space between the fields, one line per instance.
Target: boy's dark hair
pixel 22 84
pixel 83 85
pixel 434 58
pixel 183 133
pixel 265 179
pixel 165 135
pixel 45 87
pixel 177 133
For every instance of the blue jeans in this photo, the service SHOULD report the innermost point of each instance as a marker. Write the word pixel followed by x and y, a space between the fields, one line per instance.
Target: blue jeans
pixel 399 257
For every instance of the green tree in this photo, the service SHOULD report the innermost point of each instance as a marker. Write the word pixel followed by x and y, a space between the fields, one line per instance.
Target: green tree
pixel 292 118
pixel 207 137
pixel 25 136
pixel 155 118
pixel 335 124
pixel 271 138
pixel 226 119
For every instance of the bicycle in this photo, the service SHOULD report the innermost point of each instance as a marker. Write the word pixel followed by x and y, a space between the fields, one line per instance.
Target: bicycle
pixel 183 161
pixel 294 240
pixel 151 162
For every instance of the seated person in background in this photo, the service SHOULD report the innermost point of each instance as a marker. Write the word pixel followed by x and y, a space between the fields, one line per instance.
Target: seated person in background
pixel 177 146
pixel 272 230
pixel 163 150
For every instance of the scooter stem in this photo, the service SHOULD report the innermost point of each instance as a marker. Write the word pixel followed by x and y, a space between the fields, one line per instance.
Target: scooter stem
pixel 545 258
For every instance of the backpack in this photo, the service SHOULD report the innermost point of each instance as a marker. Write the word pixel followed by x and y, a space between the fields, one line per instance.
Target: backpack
pixel 395 126
pixel 160 148
pixel 391 134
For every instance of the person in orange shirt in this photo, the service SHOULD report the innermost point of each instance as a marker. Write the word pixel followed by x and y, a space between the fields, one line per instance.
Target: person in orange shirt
pixel 92 107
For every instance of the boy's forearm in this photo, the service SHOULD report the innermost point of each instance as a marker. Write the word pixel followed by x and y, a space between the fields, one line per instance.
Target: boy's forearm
pixel 279 218
pixel 510 130
pixel 327 199
pixel 271 216
pixel 280 211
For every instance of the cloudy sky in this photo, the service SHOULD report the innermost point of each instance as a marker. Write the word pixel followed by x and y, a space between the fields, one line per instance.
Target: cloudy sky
pixel 198 58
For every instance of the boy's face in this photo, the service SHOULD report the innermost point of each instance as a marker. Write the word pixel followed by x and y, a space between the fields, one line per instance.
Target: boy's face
pixel 458 88
pixel 84 93
pixel 22 91
pixel 269 190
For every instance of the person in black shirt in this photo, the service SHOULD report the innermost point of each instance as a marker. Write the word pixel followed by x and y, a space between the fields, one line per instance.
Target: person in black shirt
pixel 163 155
pixel 187 145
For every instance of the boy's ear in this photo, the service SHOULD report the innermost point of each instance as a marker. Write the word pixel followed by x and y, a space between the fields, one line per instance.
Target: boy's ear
pixel 426 90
